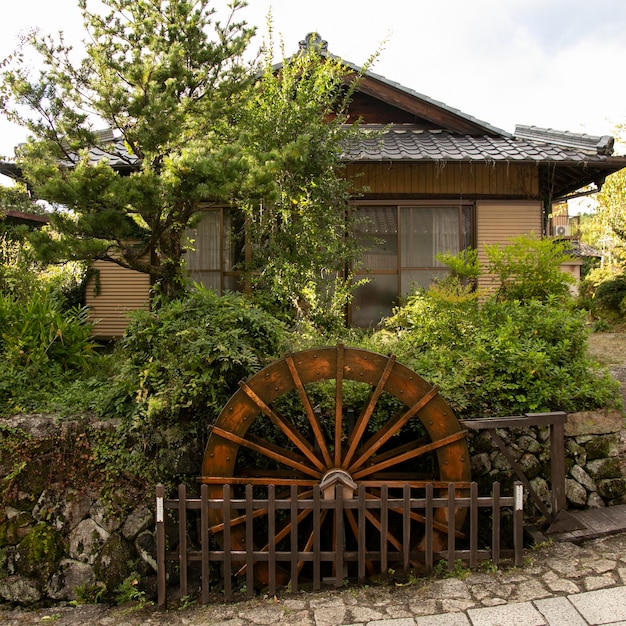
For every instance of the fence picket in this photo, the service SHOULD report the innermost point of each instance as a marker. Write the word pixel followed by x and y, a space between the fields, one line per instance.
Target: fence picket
pixel 204 541
pixel 397 547
pixel 182 538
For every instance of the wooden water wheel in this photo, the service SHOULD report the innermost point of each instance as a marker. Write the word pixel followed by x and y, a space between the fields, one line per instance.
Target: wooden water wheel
pixel 329 413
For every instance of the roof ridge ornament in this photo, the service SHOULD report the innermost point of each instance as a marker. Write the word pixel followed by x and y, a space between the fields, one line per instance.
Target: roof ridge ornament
pixel 314 41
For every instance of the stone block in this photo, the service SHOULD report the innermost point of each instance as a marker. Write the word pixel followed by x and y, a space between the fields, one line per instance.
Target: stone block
pixel 580 475
pixel 20 590
pixel 86 541
pixel 575 492
pixel 594 423
pixel 577 452
pixel 602 447
pixel 602 469
pixel 138 521
pixel 70 576
pixel 612 489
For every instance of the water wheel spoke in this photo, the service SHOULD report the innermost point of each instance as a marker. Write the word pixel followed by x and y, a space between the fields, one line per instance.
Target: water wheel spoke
pixel 374 519
pixel 354 527
pixel 391 428
pixel 310 540
pixel 242 519
pixel 339 404
pixel 366 412
pixel 278 537
pixel 236 521
pixel 411 445
pixel 411 454
pixel 291 433
pixel 418 517
pixel 265 448
pixel 318 435
pixel 286 529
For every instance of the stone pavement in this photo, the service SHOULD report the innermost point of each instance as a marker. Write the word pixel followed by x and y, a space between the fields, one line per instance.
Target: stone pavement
pixel 561 584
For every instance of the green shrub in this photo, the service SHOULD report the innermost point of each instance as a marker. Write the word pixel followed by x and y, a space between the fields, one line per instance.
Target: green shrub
pixel 41 347
pixel 529 268
pixel 500 357
pixel 611 295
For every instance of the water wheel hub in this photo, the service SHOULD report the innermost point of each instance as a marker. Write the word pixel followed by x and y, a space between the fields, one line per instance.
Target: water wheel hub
pixel 336 477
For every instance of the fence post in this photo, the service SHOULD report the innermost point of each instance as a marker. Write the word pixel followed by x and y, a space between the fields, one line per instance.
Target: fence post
pixel 473 525
pixel 160 541
pixel 428 529
pixel 557 466
pixel 182 538
pixel 451 527
pixel 495 528
pixel 204 541
pixel 227 562
pixel 518 523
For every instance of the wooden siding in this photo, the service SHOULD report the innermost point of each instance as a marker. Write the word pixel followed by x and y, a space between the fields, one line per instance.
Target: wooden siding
pixel 112 292
pixel 448 179
pixel 498 221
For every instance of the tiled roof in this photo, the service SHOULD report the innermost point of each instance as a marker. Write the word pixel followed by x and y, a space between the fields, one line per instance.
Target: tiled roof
pixel 411 143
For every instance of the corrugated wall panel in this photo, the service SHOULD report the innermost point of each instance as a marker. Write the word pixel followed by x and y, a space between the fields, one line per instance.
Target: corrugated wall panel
pixel 112 294
pixel 498 222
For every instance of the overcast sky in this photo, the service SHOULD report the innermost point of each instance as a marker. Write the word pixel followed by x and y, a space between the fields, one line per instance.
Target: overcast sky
pixel 550 63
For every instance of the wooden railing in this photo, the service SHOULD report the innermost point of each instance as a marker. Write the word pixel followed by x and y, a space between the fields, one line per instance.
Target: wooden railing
pixel 407 535
pixel 555 421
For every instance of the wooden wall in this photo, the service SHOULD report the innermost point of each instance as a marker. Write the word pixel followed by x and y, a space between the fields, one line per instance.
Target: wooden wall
pixel 498 221
pixel 113 291
pixel 457 179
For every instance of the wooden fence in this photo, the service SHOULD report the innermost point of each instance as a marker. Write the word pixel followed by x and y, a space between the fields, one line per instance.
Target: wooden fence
pixel 406 532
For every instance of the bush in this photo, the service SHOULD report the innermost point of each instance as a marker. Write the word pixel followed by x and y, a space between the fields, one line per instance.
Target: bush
pixel 176 367
pixel 500 357
pixel 610 295
pixel 41 348
pixel 529 268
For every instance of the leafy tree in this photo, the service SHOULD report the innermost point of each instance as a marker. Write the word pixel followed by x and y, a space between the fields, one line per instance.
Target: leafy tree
pixel 17 198
pixel 166 77
pixel 529 268
pixel 605 227
pixel 296 209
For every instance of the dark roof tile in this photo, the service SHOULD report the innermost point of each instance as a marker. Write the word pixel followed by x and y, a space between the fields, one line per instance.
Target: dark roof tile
pixel 407 142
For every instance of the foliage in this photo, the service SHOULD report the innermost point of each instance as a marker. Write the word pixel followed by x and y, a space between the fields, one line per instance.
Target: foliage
pixel 17 198
pixel 610 295
pixel 529 268
pixel 296 198
pixel 41 347
pixel 45 338
pixel 604 227
pixel 461 283
pixel 129 591
pixel 610 217
pixel 497 356
pixel 175 369
pixel 165 78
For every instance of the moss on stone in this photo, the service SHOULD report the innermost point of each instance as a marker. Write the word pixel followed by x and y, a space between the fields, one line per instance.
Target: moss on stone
pixel 115 561
pixel 39 553
pixel 601 447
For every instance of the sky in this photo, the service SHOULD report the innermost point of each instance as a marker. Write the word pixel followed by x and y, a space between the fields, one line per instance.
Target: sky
pixel 551 63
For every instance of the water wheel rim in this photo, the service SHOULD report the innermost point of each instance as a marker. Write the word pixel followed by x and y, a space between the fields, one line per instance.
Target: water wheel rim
pixel 294 373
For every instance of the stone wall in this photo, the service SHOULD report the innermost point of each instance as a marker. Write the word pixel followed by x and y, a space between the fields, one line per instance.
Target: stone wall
pixel 595 459
pixel 62 542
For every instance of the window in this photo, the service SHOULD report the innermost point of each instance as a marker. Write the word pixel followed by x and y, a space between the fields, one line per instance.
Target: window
pixel 402 244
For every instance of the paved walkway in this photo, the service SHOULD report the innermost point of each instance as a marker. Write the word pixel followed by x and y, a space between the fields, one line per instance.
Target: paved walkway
pixel 562 584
